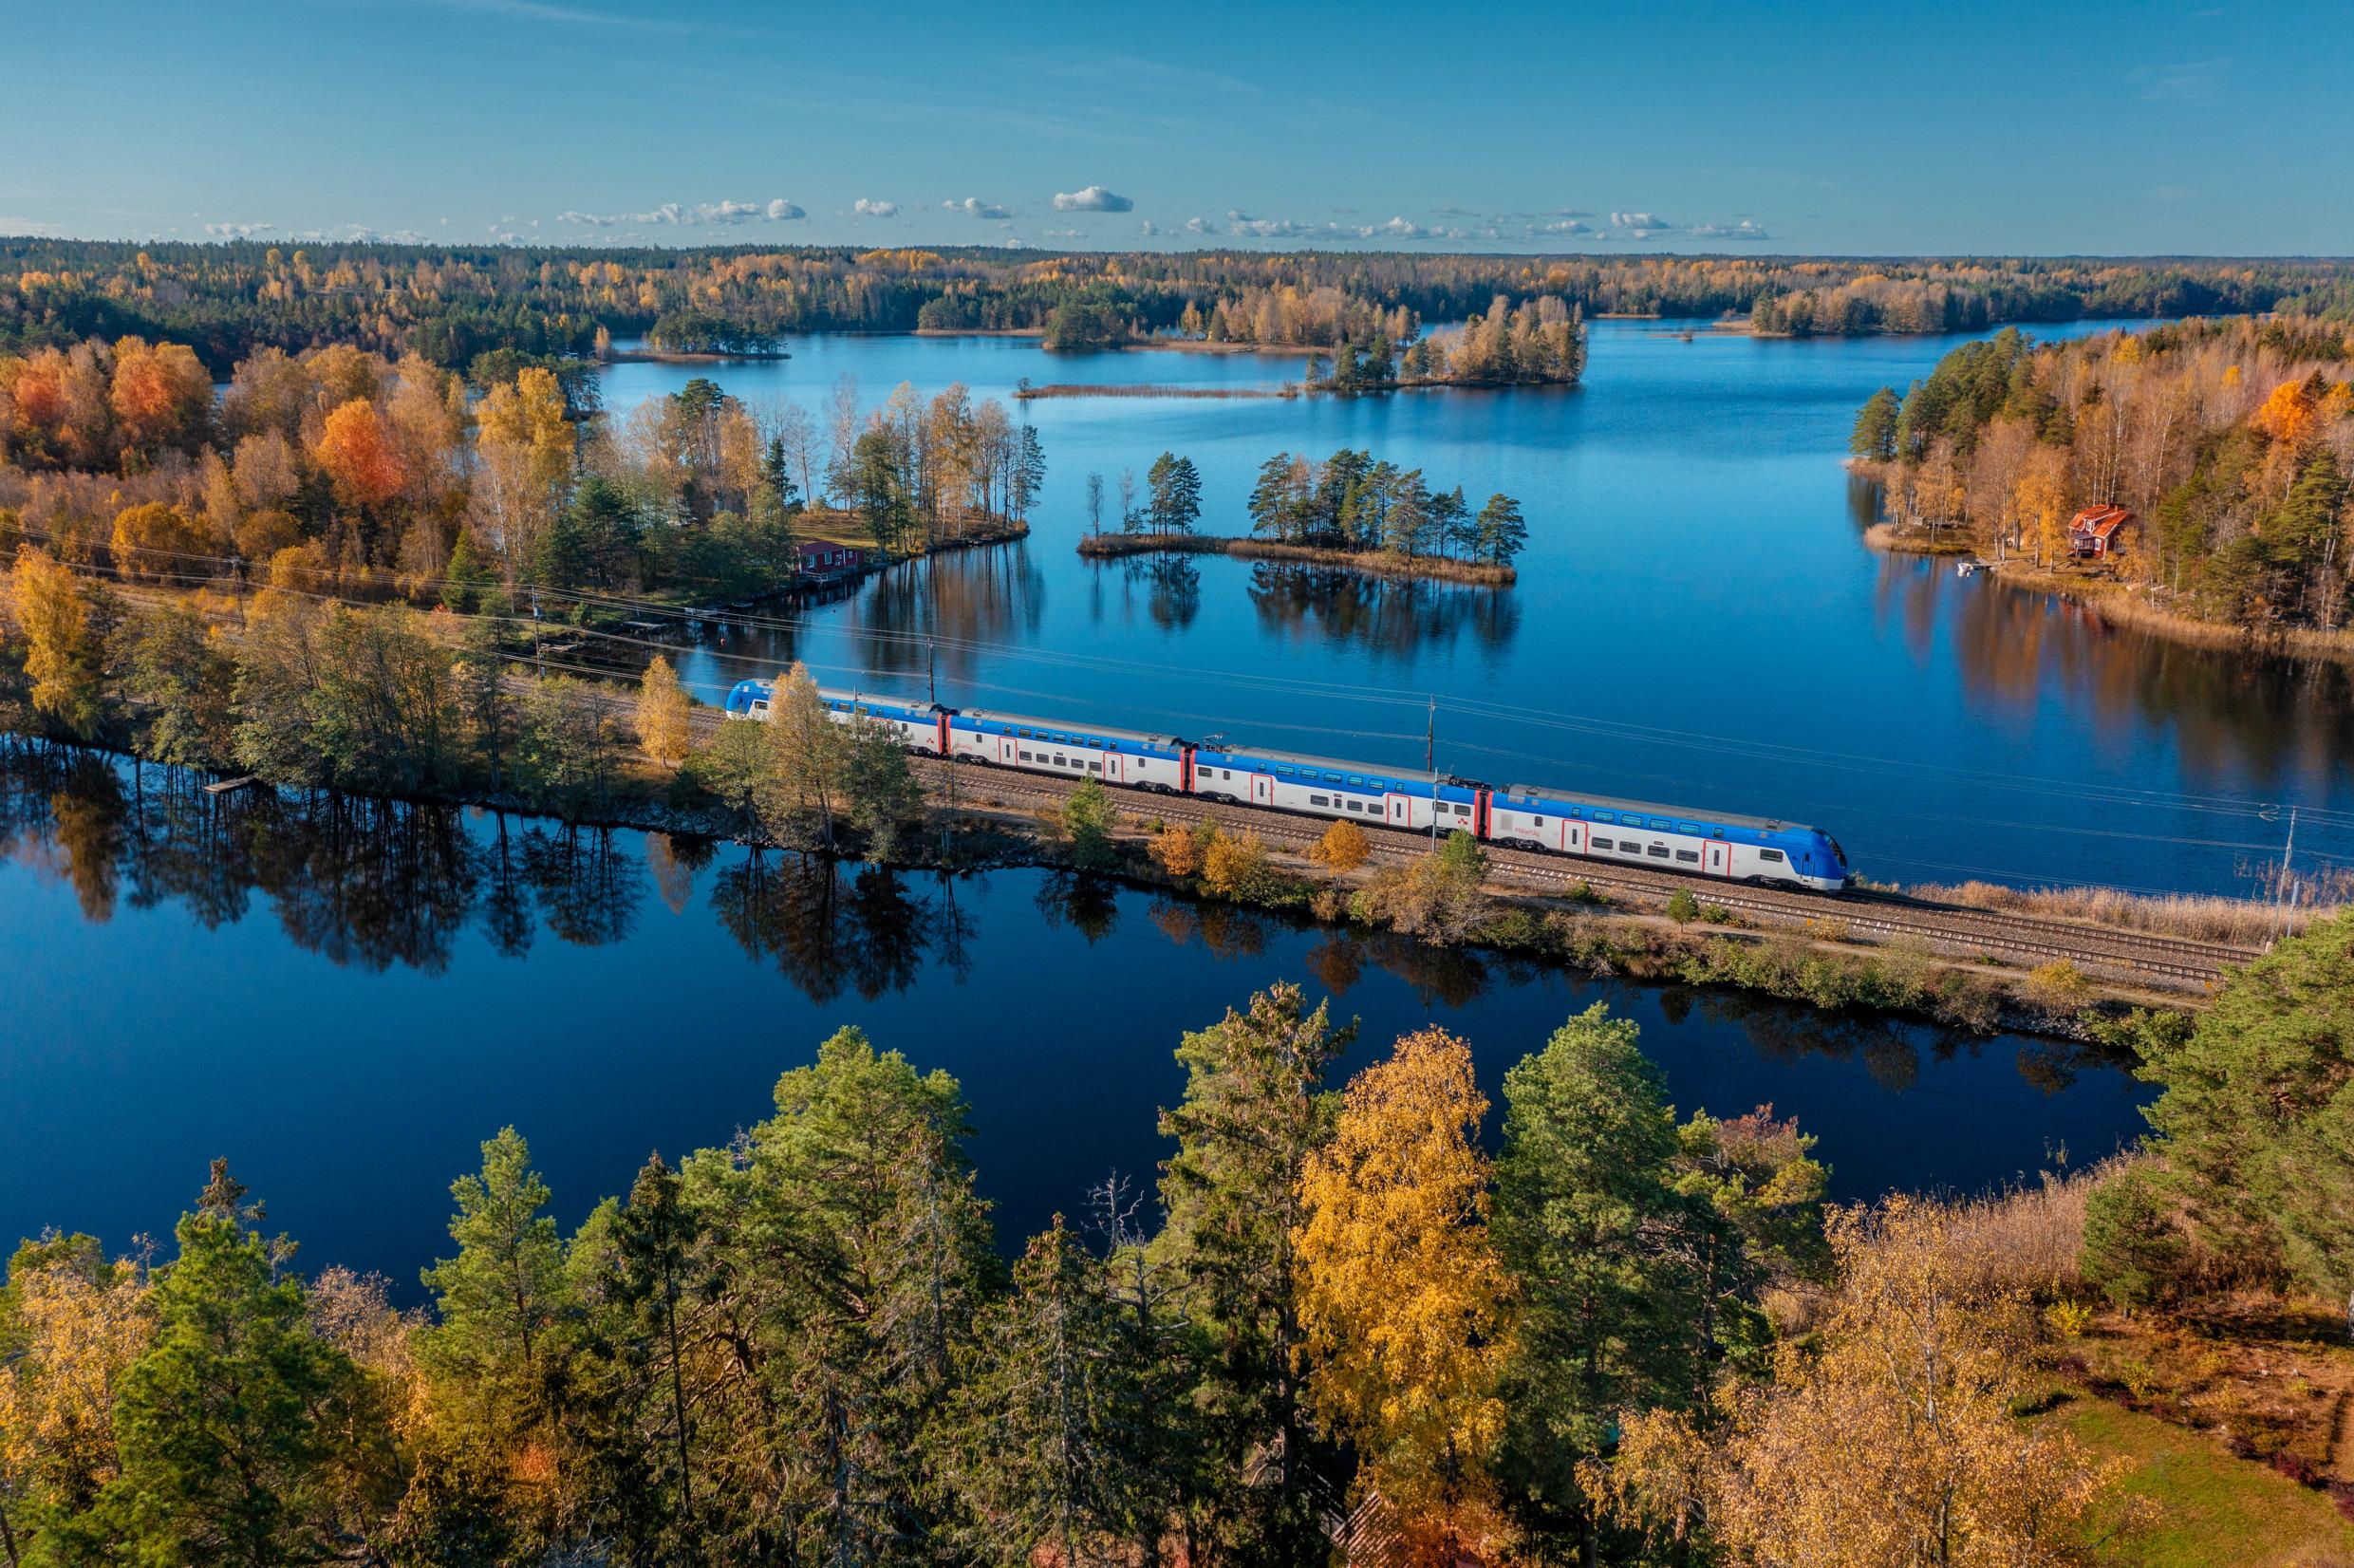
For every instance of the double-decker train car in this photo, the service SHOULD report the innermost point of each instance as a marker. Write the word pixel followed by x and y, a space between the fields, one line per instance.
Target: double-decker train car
pixel 1522 816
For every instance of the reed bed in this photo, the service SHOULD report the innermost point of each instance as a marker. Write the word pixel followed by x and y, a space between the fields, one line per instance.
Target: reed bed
pixel 2199 917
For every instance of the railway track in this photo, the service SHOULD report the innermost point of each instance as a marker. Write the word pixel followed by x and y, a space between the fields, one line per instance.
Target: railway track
pixel 2178 961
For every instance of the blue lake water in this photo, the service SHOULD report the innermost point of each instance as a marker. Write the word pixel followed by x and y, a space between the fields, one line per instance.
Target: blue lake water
pixel 346 1003
pixel 1697 620
pixel 346 999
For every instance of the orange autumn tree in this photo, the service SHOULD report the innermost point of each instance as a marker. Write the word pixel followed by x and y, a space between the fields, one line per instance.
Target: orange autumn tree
pixel 358 455
pixel 161 396
pixel 1402 1298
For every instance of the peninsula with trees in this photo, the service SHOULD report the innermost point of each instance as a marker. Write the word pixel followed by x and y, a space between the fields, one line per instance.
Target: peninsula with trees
pixel 2214 454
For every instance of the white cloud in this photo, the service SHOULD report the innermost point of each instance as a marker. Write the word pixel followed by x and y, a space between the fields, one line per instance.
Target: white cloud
pixel 1149 228
pixel 1200 226
pixel 865 207
pixel 1745 229
pixel 1093 199
pixel 359 234
pixel 675 215
pixel 239 230
pixel 975 207
pixel 1559 226
pixel 1640 222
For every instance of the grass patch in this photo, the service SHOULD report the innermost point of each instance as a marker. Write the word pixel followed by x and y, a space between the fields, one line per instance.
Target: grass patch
pixel 2210 1511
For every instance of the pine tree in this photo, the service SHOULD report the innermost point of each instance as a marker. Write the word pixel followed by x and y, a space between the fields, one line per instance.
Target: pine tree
pixel 228 1424
pixel 1501 533
pixel 879 790
pixel 1049 1464
pixel 498 1302
pixel 1254 1112
pixel 1876 427
pixel 661 1283
pixel 1608 1317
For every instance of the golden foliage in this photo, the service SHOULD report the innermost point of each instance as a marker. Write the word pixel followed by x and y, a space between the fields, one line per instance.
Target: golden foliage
pixel 79 1325
pixel 663 715
pixel 1897 1445
pixel 1235 864
pixel 1402 1296
pixel 1343 847
pixel 154 540
pixel 1178 850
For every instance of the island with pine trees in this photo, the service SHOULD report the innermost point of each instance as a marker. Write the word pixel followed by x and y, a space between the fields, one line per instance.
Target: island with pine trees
pixel 1349 510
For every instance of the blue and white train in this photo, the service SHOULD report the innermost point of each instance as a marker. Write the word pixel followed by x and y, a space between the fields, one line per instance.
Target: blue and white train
pixel 1522 816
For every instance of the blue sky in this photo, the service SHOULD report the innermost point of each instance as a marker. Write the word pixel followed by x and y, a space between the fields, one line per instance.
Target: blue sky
pixel 1884 129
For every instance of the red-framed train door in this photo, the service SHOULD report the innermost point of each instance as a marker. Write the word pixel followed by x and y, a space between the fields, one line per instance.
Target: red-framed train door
pixel 1483 805
pixel 943 720
pixel 1261 789
pixel 1009 751
pixel 1573 836
pixel 1112 768
pixel 1716 858
pixel 1401 810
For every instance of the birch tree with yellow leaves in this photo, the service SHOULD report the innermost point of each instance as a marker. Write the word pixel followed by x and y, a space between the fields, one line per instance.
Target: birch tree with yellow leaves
pixel 1403 1300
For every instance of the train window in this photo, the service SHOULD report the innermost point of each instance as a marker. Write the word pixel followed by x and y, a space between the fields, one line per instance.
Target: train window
pixel 1024 734
pixel 1603 844
pixel 1356 805
pixel 1060 762
pixel 1332 778
pixel 1628 847
pixel 1095 766
pixel 1536 822
pixel 1320 800
pixel 1357 778
pixel 1225 773
pixel 1463 811
pixel 1774 855
pixel 1659 851
pixel 1691 827
pixel 1661 824
pixel 1691 855
pixel 1606 816
pixel 1027 757
pixel 1282 770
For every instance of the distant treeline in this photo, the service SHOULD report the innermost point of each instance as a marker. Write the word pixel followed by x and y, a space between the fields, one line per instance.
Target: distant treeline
pixel 451 304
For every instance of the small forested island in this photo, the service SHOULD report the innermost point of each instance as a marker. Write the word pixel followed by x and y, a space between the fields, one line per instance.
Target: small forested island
pixel 1348 511
pixel 2194 476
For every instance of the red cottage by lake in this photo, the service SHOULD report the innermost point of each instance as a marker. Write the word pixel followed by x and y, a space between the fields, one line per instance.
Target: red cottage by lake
pixel 818 558
pixel 2098 531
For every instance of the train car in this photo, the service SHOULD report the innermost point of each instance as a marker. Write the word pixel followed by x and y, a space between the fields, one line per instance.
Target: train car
pixel 1674 838
pixel 1744 849
pixel 1126 758
pixel 1323 786
pixel 919 726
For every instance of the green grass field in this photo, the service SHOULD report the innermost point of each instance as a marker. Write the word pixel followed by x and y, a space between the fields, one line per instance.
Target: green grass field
pixel 2211 1510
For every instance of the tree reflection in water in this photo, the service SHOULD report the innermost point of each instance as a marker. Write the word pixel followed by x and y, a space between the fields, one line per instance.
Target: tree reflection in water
pixel 376 883
pixel 1391 617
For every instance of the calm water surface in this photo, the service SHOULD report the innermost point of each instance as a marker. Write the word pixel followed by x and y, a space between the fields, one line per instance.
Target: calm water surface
pixel 1696 621
pixel 346 997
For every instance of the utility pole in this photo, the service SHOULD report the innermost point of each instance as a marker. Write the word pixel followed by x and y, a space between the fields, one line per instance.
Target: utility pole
pixel 2288 887
pixel 539 665
pixel 931 673
pixel 1430 765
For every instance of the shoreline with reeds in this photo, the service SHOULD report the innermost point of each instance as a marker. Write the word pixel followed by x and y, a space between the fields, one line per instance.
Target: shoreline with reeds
pixel 2119 603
